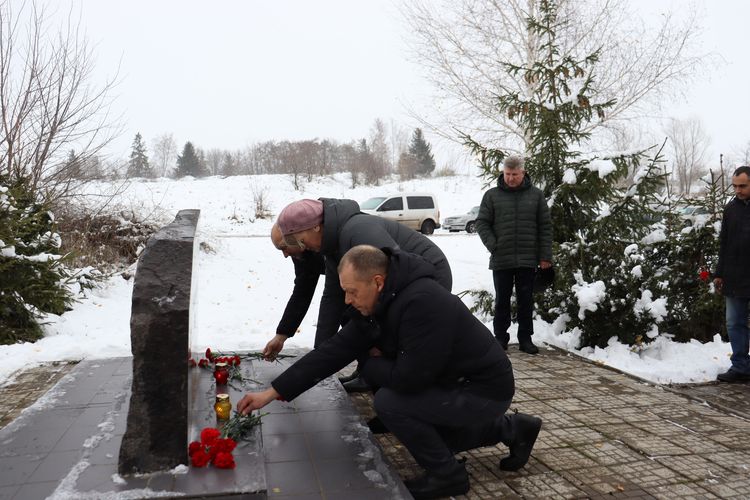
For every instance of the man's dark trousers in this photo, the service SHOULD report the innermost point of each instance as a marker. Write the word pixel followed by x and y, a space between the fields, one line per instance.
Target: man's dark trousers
pixel 504 279
pixel 437 423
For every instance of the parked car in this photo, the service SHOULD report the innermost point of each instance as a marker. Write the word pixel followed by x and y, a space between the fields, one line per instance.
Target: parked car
pixel 419 211
pixel 465 222
pixel 692 213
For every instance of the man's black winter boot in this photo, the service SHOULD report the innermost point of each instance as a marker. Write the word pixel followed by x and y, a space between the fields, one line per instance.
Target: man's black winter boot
pixel 377 426
pixel 732 376
pixel 525 431
pixel 527 346
pixel 357 385
pixel 347 378
pixel 438 486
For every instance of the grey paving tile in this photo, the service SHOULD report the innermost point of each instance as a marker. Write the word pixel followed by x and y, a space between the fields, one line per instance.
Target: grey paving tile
pixel 8 492
pixel 98 370
pixel 93 415
pixel 30 439
pixel 55 466
pixel 329 444
pixel 106 452
pixel 368 494
pixel 291 478
pixel 286 447
pixel 74 437
pixel 323 397
pixel 16 470
pixel 304 496
pixel 125 367
pixel 345 474
pixel 560 459
pixel 734 487
pixel 99 478
pixel 281 423
pixel 610 453
pixel 327 420
pixel 57 417
pixel 162 482
pixel 35 491
pixel 550 485
pixel 204 480
pixel 280 407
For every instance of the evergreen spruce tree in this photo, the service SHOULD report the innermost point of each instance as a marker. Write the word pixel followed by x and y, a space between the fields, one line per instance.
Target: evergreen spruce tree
pixel 138 165
pixel 601 231
pixel 421 151
pixel 32 275
pixel 188 163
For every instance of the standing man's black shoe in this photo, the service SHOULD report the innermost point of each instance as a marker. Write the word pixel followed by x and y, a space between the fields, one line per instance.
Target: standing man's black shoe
pixel 527 346
pixel 732 376
pixel 377 426
pixel 357 385
pixel 435 486
pixel 347 378
pixel 525 431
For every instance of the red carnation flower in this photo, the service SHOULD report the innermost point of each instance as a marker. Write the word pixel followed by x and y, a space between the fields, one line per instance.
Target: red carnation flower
pixel 203 362
pixel 208 353
pixel 200 458
pixel 209 435
pixel 236 360
pixel 192 363
pixel 224 460
pixel 194 447
pixel 224 445
pixel 703 275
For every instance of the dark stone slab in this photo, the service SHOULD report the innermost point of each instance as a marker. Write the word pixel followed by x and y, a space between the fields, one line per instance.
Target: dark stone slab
pixel 249 476
pixel 157 423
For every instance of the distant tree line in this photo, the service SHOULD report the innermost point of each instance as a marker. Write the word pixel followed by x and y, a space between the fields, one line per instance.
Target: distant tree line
pixel 367 160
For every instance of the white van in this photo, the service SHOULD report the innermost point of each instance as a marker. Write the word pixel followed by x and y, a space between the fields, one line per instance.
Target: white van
pixel 419 211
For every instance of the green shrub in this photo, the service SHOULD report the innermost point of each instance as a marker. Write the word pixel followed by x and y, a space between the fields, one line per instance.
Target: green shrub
pixel 33 278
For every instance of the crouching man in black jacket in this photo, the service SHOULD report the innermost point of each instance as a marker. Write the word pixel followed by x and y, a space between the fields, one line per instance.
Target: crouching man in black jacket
pixel 444 381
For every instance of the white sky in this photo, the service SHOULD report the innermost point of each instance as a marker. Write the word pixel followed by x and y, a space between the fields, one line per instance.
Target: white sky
pixel 229 73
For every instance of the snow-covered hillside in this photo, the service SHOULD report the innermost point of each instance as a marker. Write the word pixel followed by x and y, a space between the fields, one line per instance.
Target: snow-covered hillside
pixel 243 283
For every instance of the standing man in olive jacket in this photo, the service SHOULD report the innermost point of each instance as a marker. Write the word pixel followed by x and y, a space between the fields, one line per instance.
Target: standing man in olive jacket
pixel 331 227
pixel 732 277
pixel 515 226
pixel 445 383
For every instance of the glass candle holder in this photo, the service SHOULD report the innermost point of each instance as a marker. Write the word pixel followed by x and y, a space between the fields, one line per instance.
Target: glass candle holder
pixel 221 373
pixel 223 407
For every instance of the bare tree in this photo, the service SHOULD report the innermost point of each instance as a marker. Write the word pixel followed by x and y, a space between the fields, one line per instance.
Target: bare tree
pixel 399 141
pixel 48 103
pixel 743 154
pixel 690 144
pixel 164 153
pixel 214 158
pixel 381 155
pixel 465 46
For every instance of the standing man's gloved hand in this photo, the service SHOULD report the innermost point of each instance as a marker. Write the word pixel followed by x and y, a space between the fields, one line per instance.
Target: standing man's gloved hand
pixel 545 264
pixel 718 284
pixel 274 346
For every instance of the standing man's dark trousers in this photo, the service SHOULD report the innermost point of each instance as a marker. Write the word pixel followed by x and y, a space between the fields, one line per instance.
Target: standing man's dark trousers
pixel 523 279
pixel 437 423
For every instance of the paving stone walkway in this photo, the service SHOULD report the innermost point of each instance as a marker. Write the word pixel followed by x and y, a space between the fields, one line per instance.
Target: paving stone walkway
pixel 605 435
pixel 608 435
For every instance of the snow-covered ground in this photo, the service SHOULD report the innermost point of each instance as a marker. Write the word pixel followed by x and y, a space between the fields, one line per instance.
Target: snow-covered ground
pixel 243 284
